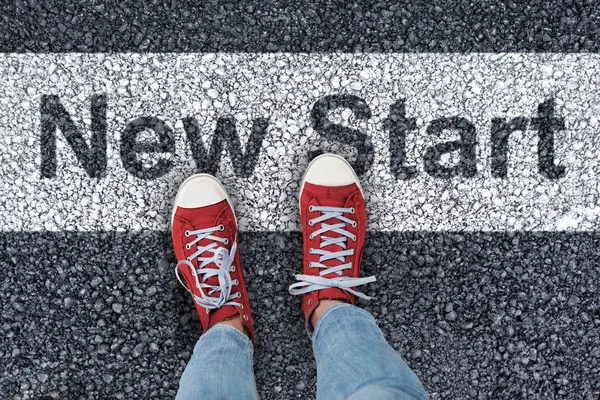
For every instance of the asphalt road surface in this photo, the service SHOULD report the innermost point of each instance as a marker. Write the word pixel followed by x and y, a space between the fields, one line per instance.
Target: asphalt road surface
pixel 474 128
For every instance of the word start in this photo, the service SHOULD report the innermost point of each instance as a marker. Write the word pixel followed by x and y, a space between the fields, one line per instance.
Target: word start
pixel 93 155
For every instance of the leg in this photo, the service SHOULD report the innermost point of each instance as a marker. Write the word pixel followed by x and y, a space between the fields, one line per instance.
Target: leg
pixel 353 359
pixel 204 232
pixel 220 368
pixel 355 362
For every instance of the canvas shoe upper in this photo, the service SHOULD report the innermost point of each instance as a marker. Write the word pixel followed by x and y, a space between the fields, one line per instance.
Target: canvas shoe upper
pixel 333 215
pixel 204 232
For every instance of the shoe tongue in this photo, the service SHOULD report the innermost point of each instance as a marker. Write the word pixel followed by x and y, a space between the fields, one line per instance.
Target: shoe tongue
pixel 334 262
pixel 213 280
pixel 224 312
pixel 333 197
pixel 208 218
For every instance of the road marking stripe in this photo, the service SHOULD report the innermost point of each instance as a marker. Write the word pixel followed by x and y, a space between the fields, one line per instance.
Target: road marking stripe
pixel 281 90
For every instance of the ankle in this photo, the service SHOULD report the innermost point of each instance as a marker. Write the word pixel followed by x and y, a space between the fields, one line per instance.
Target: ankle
pixel 323 305
pixel 236 322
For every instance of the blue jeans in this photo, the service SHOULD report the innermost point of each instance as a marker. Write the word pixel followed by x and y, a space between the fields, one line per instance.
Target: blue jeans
pixel 353 362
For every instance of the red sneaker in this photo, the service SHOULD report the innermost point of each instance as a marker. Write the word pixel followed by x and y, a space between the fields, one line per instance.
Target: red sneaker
pixel 334 221
pixel 204 231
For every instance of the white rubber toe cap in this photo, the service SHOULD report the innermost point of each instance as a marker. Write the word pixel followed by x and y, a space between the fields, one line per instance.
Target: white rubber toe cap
pixel 330 170
pixel 199 190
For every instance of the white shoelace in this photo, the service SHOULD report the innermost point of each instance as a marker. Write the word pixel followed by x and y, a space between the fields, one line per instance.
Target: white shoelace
pixel 310 283
pixel 222 258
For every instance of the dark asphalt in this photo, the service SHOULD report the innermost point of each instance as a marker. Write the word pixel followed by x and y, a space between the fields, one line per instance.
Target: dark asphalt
pixel 476 315
pixel 300 26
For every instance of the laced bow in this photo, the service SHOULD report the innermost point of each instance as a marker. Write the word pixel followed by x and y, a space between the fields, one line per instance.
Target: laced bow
pixel 222 258
pixel 310 283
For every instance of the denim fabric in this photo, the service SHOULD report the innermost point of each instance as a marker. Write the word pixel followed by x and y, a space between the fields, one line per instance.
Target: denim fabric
pixel 220 368
pixel 354 362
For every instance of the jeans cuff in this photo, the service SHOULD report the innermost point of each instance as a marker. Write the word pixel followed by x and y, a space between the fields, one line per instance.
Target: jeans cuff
pixel 350 309
pixel 224 329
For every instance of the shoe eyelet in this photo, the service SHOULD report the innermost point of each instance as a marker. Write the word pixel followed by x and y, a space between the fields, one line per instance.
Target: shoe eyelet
pixel 311 208
pixel 354 224
pixel 310 223
pixel 221 227
pixel 187 233
pixel 311 237
pixel 235 282
pixel 352 210
pixel 187 246
pixel 311 251
pixel 309 302
pixel 245 317
pixel 238 295
pixel 233 268
pixel 354 238
pixel 207 310
pixel 226 241
pixel 241 306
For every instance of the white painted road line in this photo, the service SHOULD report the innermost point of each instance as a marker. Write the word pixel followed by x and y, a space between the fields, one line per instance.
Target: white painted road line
pixel 388 112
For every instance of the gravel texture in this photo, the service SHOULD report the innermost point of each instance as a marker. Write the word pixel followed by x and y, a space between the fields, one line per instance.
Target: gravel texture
pixel 299 26
pixel 476 315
